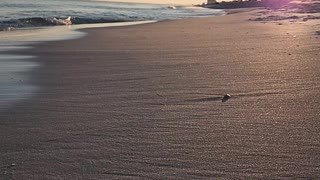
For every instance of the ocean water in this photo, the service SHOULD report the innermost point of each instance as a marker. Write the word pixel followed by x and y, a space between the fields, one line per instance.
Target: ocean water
pixel 26 22
pixel 36 13
pixel 23 23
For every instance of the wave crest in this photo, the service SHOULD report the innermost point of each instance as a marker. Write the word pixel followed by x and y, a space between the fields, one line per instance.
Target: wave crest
pixel 39 22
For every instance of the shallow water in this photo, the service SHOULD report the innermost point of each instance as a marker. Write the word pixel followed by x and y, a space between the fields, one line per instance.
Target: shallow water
pixel 25 23
pixel 14 76
pixel 13 80
pixel 35 13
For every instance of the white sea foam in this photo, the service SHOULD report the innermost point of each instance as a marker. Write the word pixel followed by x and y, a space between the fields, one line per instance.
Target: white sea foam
pixel 16 14
pixel 172 7
pixel 66 21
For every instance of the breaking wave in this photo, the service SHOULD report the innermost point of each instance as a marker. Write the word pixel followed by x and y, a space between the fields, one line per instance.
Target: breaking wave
pixel 39 22
pixel 23 16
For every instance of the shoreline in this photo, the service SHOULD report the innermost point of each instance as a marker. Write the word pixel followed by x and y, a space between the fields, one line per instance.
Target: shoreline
pixel 14 62
pixel 28 38
pixel 140 102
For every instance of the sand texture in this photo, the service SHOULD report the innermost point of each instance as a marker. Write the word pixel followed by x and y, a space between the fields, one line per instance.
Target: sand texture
pixel 145 102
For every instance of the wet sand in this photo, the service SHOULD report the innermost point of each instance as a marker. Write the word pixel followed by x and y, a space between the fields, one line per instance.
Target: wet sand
pixel 145 102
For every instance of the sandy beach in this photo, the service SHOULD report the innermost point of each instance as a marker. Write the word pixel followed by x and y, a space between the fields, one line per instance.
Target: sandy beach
pixel 145 102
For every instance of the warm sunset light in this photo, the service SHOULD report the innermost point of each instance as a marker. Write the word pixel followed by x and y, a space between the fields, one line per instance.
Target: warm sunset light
pixel 93 90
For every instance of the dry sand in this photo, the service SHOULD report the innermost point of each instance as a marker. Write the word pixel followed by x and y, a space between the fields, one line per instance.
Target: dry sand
pixel 144 102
